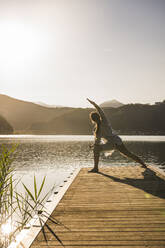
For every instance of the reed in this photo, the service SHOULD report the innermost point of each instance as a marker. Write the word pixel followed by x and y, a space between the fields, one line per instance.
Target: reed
pixel 16 209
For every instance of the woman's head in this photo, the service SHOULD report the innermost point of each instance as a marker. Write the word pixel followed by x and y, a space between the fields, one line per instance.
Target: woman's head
pixel 95 117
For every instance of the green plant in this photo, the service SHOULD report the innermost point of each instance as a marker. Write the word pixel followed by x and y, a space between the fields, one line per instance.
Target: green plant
pixel 16 209
pixel 6 190
pixel 35 205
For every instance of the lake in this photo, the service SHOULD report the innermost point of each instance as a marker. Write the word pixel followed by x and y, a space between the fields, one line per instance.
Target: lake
pixel 57 155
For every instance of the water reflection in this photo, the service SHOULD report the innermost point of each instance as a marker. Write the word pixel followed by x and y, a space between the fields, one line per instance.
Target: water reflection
pixel 57 156
pixel 63 153
pixel 151 152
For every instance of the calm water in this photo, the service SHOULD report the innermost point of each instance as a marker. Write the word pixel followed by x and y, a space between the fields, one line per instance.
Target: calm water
pixel 56 156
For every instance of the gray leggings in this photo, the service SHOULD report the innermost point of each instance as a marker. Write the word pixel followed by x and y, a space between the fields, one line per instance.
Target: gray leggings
pixel 122 149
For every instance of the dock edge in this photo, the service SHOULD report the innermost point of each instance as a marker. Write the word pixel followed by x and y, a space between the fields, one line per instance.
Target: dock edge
pixel 26 237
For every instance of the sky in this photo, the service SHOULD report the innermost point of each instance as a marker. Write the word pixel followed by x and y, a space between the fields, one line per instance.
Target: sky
pixel 62 51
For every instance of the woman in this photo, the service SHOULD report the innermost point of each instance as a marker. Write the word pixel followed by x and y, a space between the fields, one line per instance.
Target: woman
pixel 103 130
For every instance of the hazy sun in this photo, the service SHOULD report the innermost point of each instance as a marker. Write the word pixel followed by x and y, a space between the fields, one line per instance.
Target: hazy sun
pixel 18 44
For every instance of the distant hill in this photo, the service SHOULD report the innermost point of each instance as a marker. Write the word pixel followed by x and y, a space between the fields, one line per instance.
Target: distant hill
pixel 26 117
pixel 21 114
pixel 111 104
pixel 5 127
pixel 74 122
pixel 138 118
pixel 127 119
pixel 48 105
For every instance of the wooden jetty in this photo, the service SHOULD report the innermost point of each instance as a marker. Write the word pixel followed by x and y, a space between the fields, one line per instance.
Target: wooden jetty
pixel 120 207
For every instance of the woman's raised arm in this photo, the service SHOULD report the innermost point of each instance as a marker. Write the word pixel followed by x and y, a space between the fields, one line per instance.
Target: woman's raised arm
pixel 100 111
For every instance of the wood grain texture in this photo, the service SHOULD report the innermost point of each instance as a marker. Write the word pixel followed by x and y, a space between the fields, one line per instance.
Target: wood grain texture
pixel 119 207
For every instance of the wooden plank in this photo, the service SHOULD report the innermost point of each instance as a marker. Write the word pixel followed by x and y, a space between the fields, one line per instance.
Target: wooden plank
pixel 119 207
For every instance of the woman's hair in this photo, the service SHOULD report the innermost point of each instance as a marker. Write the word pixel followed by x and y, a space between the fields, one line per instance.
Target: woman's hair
pixel 95 117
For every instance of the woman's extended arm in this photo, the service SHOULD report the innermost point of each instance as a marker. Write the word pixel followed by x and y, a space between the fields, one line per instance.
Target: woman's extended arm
pixel 101 112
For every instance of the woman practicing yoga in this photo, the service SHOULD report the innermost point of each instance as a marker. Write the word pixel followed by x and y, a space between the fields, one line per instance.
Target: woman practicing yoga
pixel 103 130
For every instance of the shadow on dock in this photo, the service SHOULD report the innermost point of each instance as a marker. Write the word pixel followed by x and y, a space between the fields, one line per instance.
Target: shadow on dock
pixel 156 186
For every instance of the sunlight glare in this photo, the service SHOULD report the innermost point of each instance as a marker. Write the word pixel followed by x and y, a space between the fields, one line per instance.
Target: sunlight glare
pixel 19 43
pixel 7 228
pixel 18 239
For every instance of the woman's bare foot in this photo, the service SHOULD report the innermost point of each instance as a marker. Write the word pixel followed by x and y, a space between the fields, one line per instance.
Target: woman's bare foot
pixel 94 171
pixel 144 166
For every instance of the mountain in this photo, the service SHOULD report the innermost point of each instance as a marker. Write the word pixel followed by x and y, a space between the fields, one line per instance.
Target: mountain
pixel 73 122
pixel 138 118
pixel 127 119
pixel 111 104
pixel 5 127
pixel 27 117
pixel 21 114
pixel 48 105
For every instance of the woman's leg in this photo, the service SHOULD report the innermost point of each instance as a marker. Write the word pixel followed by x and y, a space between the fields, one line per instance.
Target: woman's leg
pixel 96 153
pixel 123 150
